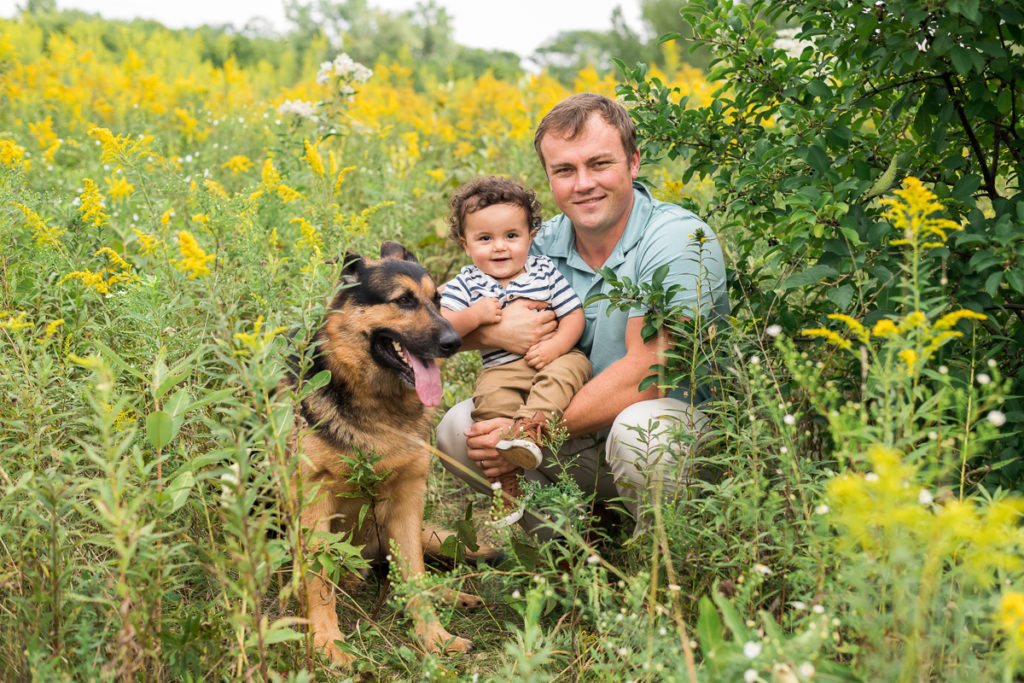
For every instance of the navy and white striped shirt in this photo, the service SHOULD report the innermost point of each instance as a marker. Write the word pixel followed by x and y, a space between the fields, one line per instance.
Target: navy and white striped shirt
pixel 540 282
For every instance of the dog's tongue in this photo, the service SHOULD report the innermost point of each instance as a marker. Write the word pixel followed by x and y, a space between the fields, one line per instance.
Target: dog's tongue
pixel 428 379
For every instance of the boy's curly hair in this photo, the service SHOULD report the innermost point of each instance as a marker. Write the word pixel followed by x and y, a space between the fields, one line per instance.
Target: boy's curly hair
pixel 483 192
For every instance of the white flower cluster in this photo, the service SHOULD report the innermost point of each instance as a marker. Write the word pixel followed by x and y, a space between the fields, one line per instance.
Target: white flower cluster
pixel 303 108
pixel 343 67
pixel 788 43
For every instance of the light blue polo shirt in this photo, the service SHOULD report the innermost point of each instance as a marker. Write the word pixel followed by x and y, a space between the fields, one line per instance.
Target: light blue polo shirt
pixel 657 233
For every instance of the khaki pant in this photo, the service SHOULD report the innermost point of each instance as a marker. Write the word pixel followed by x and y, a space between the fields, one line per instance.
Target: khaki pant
pixel 515 389
pixel 639 457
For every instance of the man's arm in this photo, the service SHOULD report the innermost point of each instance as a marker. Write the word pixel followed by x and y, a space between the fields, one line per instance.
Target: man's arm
pixel 523 323
pixel 601 399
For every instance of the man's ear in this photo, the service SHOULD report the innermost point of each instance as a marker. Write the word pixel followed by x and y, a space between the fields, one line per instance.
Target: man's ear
pixel 391 249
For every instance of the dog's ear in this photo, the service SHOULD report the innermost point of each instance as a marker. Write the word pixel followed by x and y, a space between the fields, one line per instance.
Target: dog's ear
pixel 391 249
pixel 352 264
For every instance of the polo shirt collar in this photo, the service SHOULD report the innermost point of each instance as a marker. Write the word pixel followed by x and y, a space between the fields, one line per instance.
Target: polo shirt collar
pixel 563 241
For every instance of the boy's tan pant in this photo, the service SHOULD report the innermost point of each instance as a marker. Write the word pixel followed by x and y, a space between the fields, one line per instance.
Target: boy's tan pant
pixel 640 459
pixel 517 390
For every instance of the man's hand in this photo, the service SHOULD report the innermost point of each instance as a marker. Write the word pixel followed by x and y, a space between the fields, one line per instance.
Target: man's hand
pixel 481 439
pixel 542 353
pixel 523 323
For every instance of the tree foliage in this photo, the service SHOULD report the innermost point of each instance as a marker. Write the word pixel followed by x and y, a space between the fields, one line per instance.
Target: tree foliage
pixel 808 128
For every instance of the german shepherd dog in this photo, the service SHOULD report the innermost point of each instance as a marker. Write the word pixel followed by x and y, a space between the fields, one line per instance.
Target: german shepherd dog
pixel 379 340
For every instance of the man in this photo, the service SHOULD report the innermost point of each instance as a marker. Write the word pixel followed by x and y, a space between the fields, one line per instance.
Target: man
pixel 587 145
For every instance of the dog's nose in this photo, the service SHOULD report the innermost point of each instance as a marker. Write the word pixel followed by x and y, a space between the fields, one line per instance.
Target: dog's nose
pixel 449 342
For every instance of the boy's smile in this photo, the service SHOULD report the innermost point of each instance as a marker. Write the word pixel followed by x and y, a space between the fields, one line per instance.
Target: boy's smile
pixel 498 238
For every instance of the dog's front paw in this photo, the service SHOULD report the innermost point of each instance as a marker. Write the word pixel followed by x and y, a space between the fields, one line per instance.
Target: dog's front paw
pixel 439 640
pixel 325 642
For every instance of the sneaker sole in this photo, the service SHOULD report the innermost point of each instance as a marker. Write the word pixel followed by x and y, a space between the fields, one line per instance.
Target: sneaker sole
pixel 520 452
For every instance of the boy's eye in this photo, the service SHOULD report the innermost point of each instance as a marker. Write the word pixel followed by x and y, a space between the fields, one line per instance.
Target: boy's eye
pixel 484 238
pixel 512 236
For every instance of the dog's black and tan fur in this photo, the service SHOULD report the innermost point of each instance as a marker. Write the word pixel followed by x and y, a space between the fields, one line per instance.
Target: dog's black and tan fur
pixel 383 320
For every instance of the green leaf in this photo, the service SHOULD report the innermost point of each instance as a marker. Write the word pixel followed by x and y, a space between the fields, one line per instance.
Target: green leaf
pixel 179 488
pixel 115 359
pixel 809 276
pixel 159 429
pixel 709 629
pixel 818 88
pixel 840 296
pixel 732 618
pixel 992 283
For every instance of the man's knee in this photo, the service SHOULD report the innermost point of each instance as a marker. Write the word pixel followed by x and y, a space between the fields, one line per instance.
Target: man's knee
pixel 451 437
pixel 649 435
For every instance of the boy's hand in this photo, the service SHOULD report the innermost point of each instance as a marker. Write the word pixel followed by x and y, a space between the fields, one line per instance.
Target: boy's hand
pixel 541 354
pixel 488 311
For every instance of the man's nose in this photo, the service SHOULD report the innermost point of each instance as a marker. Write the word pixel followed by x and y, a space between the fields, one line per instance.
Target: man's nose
pixel 584 180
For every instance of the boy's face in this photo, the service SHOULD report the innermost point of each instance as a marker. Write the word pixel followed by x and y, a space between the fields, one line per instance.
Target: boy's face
pixel 497 238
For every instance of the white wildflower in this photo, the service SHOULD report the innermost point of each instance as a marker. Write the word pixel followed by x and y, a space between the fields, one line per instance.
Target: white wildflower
pixel 751 649
pixel 983 378
pixel 301 108
pixel 924 497
pixel 343 67
pixel 805 670
pixel 822 509
pixel 789 419
pixel 818 609
pixel 996 417
pixel 762 569
pixel 750 675
pixel 496 485
pixel 593 559
pixel 799 604
pixel 774 330
pixel 871 477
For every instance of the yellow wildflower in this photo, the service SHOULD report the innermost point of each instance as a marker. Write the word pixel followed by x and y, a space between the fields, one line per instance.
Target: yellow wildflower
pixel 43 234
pixel 909 213
pixel 950 319
pixel 165 218
pixel 831 337
pixel 238 164
pixel 251 343
pixel 883 328
pixel 92 208
pixel 202 219
pixel 147 243
pixel 854 325
pixel 95 280
pixel 12 155
pixel 215 188
pixel 270 176
pixel 312 157
pixel 908 356
pixel 51 328
pixel 119 188
pixel 287 194
pixel 193 259
pixel 311 238
pixel 186 120
pixel 121 148
pixel 13 324
pixel 1011 617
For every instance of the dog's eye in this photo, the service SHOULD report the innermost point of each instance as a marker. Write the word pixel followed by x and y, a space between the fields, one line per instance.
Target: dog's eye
pixel 404 300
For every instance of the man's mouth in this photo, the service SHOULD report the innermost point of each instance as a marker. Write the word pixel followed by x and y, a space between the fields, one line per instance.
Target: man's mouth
pixel 588 201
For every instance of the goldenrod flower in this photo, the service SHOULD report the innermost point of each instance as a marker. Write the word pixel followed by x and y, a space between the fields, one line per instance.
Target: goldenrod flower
pixel 12 155
pixel 8 321
pixel 94 280
pixel 51 328
pixel 121 148
pixel 908 356
pixel 950 319
pixel 884 328
pixel 270 178
pixel 1011 617
pixel 831 337
pixel 854 325
pixel 238 164
pixel 193 259
pixel 251 342
pixel 910 213
pixel 92 208
pixel 312 157
pixel 287 194
pixel 215 188
pixel 147 243
pixel 43 234
pixel 118 188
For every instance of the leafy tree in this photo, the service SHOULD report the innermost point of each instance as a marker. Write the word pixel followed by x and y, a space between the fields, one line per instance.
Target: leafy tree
pixel 808 129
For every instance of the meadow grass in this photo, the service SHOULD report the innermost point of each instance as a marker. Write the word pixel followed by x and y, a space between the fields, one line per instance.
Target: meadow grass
pixel 169 224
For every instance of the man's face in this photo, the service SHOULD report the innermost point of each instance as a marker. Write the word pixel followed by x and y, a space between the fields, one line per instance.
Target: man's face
pixel 591 177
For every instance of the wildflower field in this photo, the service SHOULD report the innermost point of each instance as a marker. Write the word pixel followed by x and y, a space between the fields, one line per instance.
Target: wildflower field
pixel 168 217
